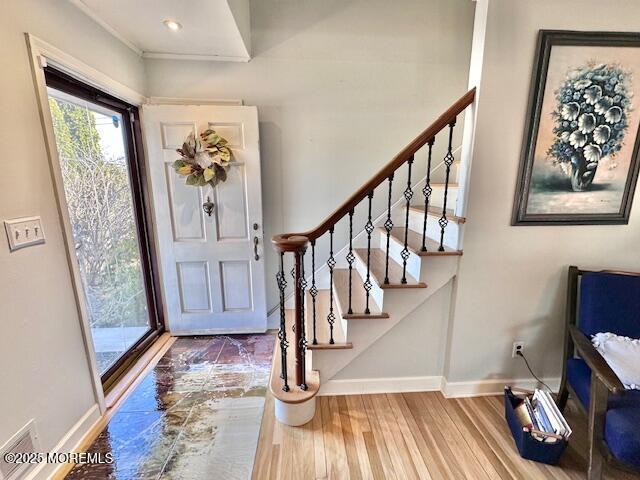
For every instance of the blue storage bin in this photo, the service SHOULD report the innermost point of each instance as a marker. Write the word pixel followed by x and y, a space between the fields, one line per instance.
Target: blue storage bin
pixel 529 447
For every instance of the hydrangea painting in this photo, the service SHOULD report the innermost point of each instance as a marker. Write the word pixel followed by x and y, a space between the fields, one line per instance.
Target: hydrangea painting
pixel 579 163
pixel 592 108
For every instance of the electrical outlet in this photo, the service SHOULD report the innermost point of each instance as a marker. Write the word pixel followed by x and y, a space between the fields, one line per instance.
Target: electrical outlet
pixel 24 232
pixel 517 347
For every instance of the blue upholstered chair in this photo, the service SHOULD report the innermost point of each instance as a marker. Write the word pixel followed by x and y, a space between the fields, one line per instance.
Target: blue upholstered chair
pixel 602 302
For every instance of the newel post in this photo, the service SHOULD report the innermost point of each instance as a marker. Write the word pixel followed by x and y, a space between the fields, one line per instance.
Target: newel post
pixel 297 245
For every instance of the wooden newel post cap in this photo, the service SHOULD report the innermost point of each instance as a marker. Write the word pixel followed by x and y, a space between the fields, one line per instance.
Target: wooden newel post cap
pixel 289 243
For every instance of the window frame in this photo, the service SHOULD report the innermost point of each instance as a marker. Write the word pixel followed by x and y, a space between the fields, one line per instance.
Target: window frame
pixel 132 133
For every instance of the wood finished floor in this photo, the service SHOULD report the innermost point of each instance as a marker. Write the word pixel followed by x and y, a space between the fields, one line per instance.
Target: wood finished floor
pixel 408 436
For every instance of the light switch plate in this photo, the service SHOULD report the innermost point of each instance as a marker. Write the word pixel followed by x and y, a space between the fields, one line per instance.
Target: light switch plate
pixel 24 232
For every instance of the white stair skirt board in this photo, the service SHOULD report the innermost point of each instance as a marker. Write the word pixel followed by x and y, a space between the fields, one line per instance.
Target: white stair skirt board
pixel 380 385
pixel 295 414
pixel 478 388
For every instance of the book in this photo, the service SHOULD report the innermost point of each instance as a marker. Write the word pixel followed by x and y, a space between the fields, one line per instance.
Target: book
pixel 549 414
pixel 544 419
pixel 564 424
pixel 556 425
pixel 531 413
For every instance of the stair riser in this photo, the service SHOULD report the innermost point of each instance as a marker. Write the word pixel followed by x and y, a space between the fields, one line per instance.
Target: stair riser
pixel 437 196
pixel 416 219
pixel 376 293
pixel 439 175
pixel 451 231
pixel 343 323
pixel 321 320
pixel 395 252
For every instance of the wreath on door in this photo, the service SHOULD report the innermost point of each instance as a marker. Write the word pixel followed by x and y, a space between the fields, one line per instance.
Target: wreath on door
pixel 204 159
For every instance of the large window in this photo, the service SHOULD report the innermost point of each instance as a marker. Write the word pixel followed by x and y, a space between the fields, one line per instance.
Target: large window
pixel 99 165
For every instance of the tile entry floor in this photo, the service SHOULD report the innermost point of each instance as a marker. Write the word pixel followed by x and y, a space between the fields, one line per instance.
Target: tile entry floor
pixel 196 415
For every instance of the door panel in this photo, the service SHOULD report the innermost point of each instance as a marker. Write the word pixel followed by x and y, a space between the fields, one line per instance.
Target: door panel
pixel 231 213
pixel 236 285
pixel 173 134
pixel 212 281
pixel 195 289
pixel 187 222
pixel 233 132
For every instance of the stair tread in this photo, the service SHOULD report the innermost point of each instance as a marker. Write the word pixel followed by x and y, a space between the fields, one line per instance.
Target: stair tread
pixel 295 394
pixel 377 269
pixel 322 326
pixel 414 243
pixel 358 297
pixel 437 212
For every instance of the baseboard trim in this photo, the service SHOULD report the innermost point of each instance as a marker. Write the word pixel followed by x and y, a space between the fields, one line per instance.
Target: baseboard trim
pixel 479 388
pixel 70 442
pixel 380 385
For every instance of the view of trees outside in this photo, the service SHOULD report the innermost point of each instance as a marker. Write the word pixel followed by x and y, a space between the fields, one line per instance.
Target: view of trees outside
pixel 98 193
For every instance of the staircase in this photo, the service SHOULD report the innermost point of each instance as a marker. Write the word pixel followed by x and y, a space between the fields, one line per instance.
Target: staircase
pixel 385 272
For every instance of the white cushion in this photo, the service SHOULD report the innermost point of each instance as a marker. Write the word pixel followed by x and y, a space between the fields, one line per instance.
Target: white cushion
pixel 623 356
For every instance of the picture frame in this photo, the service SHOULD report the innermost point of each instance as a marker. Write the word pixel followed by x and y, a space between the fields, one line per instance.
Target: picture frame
pixel 579 160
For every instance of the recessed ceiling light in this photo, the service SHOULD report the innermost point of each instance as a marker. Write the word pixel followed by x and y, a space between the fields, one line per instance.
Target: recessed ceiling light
pixel 172 25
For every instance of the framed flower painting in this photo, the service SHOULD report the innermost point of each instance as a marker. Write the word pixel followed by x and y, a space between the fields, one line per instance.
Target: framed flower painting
pixel 579 162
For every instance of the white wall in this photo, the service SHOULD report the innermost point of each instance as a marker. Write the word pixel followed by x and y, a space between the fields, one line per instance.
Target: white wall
pixel 44 372
pixel 341 86
pixel 511 284
pixel 415 347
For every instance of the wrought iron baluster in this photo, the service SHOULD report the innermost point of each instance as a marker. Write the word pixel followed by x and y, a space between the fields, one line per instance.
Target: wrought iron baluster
pixel 331 263
pixel 448 161
pixel 369 229
pixel 426 191
pixel 282 333
pixel 408 194
pixel 302 340
pixel 388 226
pixel 313 291
pixel 350 258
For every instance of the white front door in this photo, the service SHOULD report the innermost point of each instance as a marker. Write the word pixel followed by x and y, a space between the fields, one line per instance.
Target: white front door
pixel 212 266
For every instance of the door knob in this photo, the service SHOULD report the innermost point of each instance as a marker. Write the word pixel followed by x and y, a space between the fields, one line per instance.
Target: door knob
pixel 255 248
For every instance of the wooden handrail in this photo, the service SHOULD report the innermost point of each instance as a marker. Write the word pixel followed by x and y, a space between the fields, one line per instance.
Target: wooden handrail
pixel 290 242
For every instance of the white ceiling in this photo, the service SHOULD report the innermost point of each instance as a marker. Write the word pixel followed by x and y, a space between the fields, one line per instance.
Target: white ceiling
pixel 211 29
